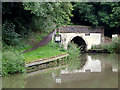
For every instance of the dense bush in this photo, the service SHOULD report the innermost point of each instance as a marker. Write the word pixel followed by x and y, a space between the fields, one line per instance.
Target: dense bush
pixel 42 25
pixel 114 46
pixel 98 14
pixel 10 37
pixel 12 62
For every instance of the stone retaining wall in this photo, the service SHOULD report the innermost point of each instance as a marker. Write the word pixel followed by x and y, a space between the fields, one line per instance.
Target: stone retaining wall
pixel 46 63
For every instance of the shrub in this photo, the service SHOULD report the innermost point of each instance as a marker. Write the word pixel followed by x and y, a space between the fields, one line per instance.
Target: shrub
pixel 114 46
pixel 74 61
pixel 12 62
pixel 45 25
pixel 96 47
pixel 9 35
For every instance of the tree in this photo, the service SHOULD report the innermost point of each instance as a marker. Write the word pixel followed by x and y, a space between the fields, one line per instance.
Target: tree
pixel 98 14
pixel 50 13
pixel 34 16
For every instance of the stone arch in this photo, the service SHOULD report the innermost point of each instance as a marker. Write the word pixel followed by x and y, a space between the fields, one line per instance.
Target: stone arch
pixel 80 41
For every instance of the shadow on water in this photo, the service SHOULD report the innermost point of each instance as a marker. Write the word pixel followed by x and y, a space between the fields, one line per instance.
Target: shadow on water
pixel 98 71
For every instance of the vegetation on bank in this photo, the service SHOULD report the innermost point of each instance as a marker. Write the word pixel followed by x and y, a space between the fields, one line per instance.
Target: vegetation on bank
pixel 12 62
pixel 49 50
pixel 112 47
pixel 21 21
pixel 74 59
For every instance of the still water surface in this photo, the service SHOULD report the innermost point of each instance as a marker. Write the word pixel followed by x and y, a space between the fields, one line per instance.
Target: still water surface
pixel 98 71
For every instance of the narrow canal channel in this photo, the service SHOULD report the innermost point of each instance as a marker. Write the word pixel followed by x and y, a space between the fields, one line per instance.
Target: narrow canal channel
pixel 98 71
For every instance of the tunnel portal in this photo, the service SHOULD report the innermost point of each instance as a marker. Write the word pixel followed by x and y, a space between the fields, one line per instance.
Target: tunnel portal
pixel 80 42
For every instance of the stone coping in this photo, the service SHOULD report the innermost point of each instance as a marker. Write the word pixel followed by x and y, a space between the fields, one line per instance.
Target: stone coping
pixel 44 60
pixel 80 26
pixel 81 29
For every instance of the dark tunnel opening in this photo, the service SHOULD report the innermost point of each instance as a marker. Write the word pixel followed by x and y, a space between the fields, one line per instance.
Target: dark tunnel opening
pixel 80 42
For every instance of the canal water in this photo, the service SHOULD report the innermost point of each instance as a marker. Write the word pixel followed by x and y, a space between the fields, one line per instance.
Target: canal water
pixel 98 71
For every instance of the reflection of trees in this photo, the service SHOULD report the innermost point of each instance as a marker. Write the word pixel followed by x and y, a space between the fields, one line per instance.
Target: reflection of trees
pixel 77 63
pixel 14 81
pixel 113 58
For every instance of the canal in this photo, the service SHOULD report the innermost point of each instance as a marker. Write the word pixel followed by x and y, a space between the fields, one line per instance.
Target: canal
pixel 98 71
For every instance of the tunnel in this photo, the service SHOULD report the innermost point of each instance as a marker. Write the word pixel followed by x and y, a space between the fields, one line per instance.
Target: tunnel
pixel 80 42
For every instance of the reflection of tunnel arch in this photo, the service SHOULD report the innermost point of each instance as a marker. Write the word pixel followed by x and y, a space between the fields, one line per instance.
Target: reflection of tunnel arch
pixel 80 42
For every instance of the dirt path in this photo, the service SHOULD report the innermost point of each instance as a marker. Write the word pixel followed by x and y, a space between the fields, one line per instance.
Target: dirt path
pixel 43 42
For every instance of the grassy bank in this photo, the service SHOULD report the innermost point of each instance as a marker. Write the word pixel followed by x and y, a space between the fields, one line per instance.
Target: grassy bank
pixel 49 50
pixel 13 60
pixel 46 51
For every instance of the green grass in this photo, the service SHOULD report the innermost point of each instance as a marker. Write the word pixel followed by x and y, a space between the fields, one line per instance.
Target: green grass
pixel 49 50
pixel 46 51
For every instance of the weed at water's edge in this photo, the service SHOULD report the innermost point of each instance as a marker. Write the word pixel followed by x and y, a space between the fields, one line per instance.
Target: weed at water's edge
pixel 74 61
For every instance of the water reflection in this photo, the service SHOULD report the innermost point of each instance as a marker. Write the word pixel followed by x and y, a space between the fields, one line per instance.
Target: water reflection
pixel 90 66
pixel 99 71
pixel 97 63
pixel 110 59
pixel 105 64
